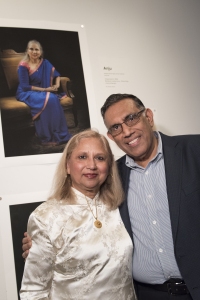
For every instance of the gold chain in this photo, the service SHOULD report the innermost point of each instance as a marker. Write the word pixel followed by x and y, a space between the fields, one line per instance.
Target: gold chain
pixel 97 223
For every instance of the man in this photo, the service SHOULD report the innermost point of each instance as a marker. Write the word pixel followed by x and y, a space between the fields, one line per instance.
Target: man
pixel 161 180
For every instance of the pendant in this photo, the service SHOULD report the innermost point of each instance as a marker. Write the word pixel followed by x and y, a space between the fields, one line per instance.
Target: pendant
pixel 98 224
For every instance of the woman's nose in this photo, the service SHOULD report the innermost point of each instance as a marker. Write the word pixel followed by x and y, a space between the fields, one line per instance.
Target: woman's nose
pixel 91 164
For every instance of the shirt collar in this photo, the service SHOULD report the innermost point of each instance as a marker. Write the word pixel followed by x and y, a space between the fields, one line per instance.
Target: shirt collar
pixel 159 154
pixel 82 199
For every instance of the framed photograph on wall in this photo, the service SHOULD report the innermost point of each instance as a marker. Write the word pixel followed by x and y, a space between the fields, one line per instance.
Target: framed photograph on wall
pixel 14 214
pixel 65 47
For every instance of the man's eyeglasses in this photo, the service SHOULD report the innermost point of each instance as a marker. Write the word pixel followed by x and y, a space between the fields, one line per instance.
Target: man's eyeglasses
pixel 130 120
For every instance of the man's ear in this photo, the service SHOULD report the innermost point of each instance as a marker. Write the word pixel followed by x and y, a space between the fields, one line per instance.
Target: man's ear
pixel 149 116
pixel 110 136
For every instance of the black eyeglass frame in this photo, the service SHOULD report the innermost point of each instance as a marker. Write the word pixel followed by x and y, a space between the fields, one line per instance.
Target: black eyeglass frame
pixel 135 120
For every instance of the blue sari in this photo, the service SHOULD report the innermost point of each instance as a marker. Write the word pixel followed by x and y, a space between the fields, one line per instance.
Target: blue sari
pixel 46 111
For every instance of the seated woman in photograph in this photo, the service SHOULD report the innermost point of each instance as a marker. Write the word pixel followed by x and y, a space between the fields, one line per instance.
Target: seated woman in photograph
pixel 80 247
pixel 36 89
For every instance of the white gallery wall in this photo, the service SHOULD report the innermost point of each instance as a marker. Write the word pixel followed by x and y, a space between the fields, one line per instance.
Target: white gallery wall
pixel 154 43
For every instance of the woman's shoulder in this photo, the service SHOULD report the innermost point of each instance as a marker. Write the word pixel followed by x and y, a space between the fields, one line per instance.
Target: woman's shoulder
pixel 24 63
pixel 51 207
pixel 50 214
pixel 46 61
pixel 45 210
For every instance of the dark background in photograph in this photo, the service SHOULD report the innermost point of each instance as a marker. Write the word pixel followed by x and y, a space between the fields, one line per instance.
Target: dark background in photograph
pixel 19 215
pixel 62 49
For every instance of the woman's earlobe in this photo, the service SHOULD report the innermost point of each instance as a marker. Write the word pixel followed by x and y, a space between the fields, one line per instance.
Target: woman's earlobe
pixel 67 169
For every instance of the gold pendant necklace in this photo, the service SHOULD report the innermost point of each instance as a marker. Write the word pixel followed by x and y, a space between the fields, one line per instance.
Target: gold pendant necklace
pixel 97 223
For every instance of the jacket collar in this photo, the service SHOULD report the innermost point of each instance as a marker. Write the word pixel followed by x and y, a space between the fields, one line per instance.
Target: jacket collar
pixel 172 159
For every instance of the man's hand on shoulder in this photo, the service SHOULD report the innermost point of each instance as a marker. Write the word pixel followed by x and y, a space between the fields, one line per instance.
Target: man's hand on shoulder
pixel 26 245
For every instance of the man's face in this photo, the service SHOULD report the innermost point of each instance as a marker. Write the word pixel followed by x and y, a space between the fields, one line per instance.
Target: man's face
pixel 137 141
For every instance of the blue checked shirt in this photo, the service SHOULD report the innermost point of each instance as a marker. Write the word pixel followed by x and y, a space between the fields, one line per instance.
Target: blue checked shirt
pixel 153 259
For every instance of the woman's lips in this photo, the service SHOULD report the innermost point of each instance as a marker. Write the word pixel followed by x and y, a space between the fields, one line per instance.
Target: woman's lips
pixel 90 175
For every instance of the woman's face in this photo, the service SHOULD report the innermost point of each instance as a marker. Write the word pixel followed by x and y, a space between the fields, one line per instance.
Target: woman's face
pixel 34 51
pixel 88 166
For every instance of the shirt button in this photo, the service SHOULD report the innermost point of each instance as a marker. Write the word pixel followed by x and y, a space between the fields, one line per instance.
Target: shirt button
pixel 149 196
pixel 154 222
pixel 160 250
pixel 147 173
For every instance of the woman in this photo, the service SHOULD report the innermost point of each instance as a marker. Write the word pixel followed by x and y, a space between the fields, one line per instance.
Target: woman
pixel 37 90
pixel 80 247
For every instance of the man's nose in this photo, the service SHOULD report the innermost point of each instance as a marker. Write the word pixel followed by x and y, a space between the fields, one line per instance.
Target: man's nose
pixel 126 130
